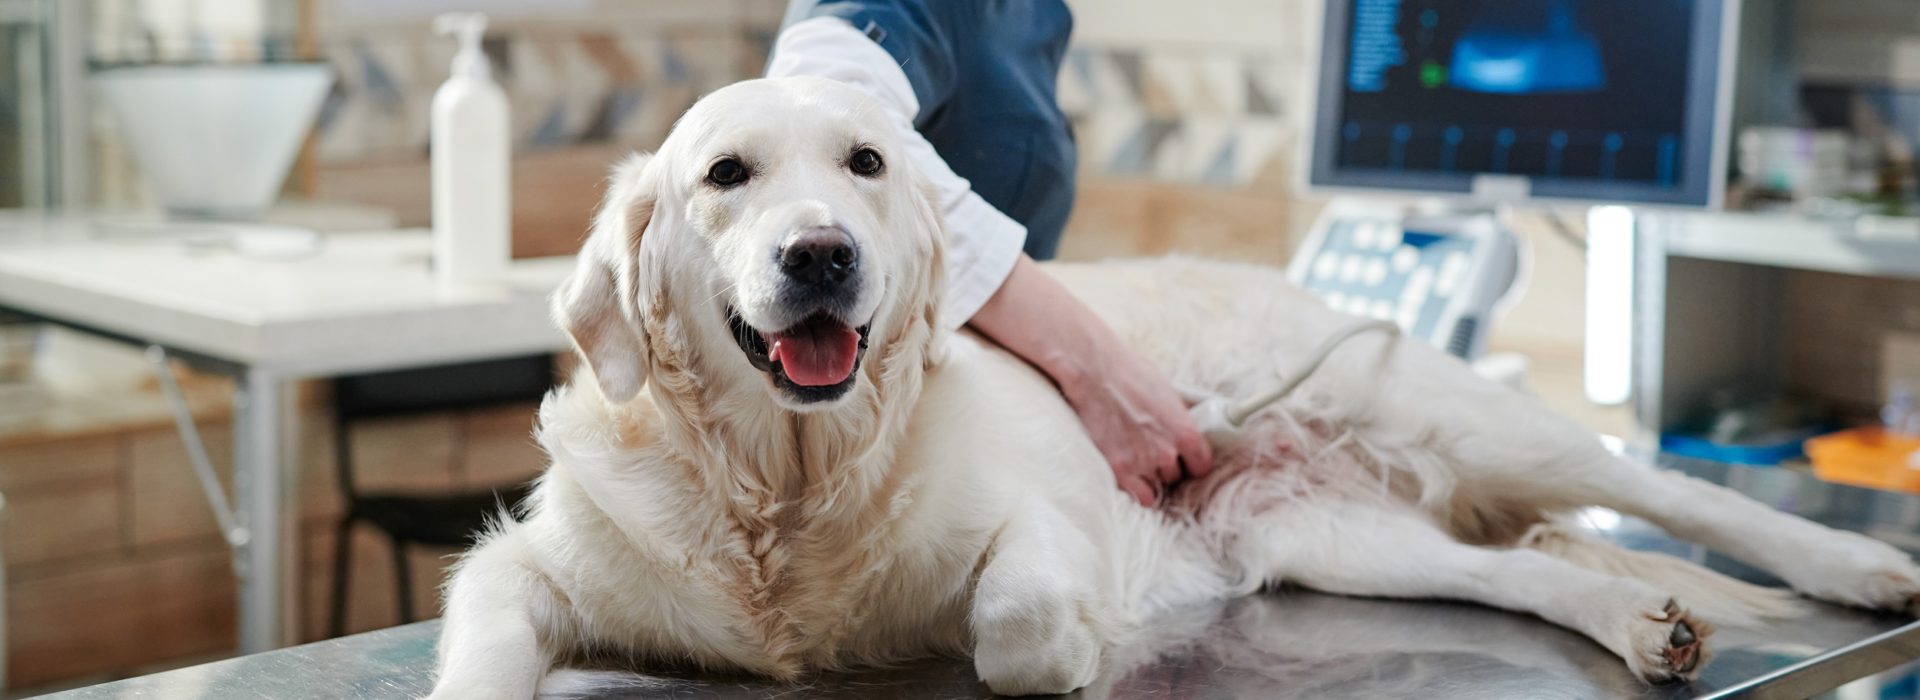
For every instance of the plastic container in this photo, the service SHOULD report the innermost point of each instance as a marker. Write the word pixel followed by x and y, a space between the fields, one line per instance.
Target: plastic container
pixel 1869 457
pixel 472 160
pixel 1760 453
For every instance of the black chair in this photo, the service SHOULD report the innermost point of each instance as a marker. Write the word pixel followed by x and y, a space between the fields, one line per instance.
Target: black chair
pixel 444 520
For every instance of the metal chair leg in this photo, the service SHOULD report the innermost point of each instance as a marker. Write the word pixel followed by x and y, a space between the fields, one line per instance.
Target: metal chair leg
pixel 403 579
pixel 342 563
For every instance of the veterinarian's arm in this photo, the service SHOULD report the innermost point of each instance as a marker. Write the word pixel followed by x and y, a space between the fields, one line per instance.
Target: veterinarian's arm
pixel 1134 415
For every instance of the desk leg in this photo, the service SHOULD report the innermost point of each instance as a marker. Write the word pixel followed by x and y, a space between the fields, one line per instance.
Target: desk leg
pixel 262 493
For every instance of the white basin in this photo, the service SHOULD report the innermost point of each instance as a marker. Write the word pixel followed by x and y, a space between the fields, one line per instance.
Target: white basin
pixel 215 140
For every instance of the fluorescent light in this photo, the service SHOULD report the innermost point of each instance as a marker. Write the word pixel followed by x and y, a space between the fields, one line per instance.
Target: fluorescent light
pixel 1609 351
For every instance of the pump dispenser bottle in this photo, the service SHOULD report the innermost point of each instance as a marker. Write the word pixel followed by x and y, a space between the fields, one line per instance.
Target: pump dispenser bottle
pixel 471 151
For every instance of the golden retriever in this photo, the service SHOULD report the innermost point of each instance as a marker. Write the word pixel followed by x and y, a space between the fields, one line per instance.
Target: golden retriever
pixel 777 461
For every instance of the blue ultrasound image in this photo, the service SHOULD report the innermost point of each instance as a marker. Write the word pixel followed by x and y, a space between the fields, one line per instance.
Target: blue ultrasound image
pixel 1539 48
pixel 1568 89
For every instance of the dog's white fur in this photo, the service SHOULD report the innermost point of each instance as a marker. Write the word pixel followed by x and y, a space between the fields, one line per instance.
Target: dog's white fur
pixel 951 504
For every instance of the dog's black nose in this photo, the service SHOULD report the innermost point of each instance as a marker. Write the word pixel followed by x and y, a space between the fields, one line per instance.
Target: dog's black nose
pixel 820 255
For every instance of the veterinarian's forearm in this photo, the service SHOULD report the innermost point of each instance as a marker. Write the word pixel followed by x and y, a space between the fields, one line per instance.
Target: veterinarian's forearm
pixel 1034 316
pixel 1127 406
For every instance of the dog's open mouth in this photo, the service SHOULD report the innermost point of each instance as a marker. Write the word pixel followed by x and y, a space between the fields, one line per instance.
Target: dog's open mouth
pixel 813 360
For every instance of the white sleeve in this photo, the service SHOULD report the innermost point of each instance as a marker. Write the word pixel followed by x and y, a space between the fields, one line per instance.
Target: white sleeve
pixel 982 243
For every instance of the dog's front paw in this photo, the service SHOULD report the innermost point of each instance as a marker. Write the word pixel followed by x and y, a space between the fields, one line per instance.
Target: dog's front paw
pixel 444 692
pixel 1038 647
pixel 1668 645
pixel 1862 572
pixel 1062 666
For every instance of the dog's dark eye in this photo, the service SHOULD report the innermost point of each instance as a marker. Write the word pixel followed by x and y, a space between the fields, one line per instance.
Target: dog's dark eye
pixel 866 162
pixel 727 173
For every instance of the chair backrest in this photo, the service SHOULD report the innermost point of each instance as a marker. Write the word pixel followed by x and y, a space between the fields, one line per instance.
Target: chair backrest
pixel 449 387
pixel 425 390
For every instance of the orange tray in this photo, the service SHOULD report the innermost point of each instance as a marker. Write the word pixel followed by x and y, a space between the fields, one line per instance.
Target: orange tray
pixel 1866 457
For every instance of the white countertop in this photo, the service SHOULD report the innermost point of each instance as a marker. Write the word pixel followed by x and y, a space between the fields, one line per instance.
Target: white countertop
pixel 365 302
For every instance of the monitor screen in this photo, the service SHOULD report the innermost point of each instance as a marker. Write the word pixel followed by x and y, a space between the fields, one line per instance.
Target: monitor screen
pixel 1614 100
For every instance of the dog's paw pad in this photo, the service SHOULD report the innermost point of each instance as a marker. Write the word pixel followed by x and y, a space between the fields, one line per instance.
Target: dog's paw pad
pixel 1670 645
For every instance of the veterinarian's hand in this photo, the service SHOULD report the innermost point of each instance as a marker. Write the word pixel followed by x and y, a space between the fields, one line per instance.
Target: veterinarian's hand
pixel 1139 422
pixel 1132 412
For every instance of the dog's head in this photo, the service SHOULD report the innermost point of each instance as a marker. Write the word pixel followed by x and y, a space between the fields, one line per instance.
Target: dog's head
pixel 778 236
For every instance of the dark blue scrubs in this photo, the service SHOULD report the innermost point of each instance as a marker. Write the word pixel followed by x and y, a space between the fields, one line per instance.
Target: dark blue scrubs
pixel 984 73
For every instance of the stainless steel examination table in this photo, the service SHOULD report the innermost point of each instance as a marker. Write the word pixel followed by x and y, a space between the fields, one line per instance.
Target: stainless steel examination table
pixel 1285 644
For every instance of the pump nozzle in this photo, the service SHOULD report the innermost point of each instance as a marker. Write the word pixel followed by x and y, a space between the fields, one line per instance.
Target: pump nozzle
pixel 467 28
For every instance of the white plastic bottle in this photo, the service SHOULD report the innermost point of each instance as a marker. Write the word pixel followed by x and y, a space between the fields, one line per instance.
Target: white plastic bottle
pixel 472 150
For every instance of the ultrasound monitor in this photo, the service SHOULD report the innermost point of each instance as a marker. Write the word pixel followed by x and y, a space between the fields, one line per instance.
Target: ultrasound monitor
pixel 1602 100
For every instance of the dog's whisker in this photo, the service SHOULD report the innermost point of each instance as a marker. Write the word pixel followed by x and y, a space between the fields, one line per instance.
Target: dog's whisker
pixel 723 290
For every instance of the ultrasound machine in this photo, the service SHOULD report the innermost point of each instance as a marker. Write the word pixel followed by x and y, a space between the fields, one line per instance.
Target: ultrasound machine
pixel 1475 107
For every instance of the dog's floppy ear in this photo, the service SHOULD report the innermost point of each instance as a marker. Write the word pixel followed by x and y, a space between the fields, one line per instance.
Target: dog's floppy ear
pixel 596 304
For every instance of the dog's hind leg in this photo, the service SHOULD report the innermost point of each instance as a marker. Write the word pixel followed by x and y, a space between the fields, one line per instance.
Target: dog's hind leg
pixel 1835 565
pixel 490 646
pixel 1512 454
pixel 1360 549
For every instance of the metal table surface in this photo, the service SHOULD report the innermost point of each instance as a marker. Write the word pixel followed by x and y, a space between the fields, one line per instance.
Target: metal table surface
pixel 1283 644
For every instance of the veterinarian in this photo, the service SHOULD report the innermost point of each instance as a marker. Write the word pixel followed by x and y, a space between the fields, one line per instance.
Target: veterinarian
pixel 972 85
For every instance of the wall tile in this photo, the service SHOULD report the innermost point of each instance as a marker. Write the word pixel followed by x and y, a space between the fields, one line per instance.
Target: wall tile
pixel 371 603
pixel 166 502
pixel 618 82
pixel 31 466
pixel 119 616
pixel 74 520
pixel 1127 219
pixel 319 481
pixel 1834 330
pixel 1182 114
pixel 499 447
pixel 410 453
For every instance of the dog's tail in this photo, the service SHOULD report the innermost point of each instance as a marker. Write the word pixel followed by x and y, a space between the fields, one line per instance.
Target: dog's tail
pixel 578 684
pixel 1714 596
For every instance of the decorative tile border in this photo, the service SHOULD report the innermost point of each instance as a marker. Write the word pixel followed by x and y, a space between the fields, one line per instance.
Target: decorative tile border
pixel 563 88
pixel 1191 117
pixel 1184 116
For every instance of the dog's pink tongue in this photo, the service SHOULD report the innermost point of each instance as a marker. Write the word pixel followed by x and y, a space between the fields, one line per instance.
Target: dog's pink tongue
pixel 816 354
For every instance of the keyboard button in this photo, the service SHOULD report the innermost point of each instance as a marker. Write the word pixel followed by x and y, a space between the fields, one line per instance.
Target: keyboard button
pixel 1376 272
pixel 1404 258
pixel 1409 313
pixel 1350 269
pixel 1389 239
pixel 1417 286
pixel 1326 265
pixel 1363 235
pixel 1451 273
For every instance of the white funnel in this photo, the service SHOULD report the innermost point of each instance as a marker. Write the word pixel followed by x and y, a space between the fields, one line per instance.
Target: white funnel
pixel 215 140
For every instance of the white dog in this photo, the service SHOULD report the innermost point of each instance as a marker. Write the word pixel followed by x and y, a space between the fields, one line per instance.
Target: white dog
pixel 778 463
